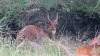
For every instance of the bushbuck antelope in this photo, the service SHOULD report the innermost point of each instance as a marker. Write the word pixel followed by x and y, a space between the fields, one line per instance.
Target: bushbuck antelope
pixel 88 50
pixel 32 33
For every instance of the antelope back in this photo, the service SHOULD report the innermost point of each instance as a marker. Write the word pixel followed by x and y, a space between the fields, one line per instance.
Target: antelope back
pixel 29 32
pixel 95 41
pixel 88 50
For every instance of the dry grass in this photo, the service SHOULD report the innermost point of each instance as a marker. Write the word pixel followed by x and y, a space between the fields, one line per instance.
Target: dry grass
pixel 44 47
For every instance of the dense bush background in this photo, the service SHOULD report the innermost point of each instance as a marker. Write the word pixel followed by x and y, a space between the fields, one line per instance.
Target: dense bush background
pixel 79 18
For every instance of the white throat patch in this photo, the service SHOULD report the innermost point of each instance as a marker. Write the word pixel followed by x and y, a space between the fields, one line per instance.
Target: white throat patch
pixel 53 32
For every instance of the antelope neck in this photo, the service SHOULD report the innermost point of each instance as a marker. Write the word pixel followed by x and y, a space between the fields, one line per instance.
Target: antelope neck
pixel 50 34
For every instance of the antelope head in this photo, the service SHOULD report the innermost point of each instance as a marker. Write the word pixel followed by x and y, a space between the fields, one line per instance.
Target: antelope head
pixel 53 25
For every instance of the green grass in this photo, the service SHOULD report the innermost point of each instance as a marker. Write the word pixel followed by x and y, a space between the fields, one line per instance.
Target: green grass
pixel 48 51
pixel 45 48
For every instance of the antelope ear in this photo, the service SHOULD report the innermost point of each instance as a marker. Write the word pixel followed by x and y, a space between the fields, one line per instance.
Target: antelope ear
pixel 55 21
pixel 47 21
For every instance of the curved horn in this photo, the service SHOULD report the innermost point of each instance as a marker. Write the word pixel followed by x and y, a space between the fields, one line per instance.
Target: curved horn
pixel 56 17
pixel 48 18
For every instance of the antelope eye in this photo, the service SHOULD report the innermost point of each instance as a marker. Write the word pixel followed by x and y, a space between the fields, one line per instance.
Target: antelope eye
pixel 55 22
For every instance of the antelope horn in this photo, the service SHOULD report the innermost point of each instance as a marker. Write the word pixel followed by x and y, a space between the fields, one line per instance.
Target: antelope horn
pixel 57 16
pixel 49 18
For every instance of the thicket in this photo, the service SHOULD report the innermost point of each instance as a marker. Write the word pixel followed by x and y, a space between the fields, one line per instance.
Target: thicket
pixel 74 15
